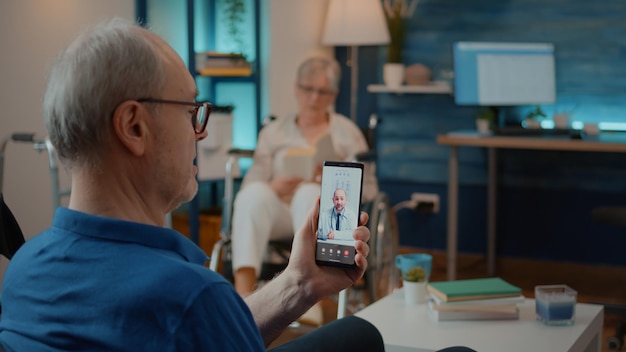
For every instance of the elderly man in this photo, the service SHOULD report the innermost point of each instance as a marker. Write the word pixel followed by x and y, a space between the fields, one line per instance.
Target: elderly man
pixel 107 275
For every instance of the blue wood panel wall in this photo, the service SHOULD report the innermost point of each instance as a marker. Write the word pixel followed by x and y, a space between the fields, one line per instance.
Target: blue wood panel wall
pixel 545 197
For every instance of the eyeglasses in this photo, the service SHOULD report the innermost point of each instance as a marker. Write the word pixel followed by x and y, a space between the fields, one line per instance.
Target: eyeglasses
pixel 199 115
pixel 311 90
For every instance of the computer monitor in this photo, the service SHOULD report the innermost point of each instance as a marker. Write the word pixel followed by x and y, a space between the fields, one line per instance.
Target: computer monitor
pixel 503 74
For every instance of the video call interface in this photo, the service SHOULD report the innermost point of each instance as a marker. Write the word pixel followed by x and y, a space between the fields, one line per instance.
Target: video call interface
pixel 341 248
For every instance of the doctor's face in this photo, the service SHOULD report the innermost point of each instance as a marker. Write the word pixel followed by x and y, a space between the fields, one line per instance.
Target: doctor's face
pixel 339 200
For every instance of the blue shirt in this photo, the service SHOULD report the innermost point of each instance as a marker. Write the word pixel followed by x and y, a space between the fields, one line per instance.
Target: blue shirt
pixel 99 284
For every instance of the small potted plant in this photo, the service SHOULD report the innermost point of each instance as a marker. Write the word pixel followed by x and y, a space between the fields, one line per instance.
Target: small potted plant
pixel 233 12
pixel 414 274
pixel 485 119
pixel 534 117
pixel 414 283
pixel 397 13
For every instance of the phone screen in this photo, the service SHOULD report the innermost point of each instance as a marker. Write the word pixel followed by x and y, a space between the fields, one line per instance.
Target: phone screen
pixel 340 200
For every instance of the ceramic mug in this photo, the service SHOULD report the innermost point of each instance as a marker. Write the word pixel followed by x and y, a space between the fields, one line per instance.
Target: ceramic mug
pixel 405 262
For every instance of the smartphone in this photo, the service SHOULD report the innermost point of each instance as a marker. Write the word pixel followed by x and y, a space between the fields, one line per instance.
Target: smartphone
pixel 340 201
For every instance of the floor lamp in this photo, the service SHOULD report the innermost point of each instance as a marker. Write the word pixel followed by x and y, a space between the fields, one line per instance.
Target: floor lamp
pixel 355 23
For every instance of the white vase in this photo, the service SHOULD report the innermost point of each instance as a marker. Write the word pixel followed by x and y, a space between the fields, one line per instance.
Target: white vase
pixel 393 74
pixel 482 125
pixel 561 120
pixel 415 292
pixel 532 123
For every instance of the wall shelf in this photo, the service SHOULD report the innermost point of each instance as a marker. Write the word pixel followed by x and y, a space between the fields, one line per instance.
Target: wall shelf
pixel 200 21
pixel 435 87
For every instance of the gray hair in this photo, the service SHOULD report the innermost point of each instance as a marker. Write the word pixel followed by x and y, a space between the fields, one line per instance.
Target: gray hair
pixel 106 65
pixel 319 65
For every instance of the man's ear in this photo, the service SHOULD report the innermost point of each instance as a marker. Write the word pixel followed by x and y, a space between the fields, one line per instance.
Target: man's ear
pixel 130 126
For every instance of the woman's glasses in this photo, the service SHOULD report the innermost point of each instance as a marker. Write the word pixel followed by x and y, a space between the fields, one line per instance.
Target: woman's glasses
pixel 310 90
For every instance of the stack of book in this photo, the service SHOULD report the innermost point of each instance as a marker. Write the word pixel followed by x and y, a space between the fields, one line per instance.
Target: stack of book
pixel 474 299
pixel 222 64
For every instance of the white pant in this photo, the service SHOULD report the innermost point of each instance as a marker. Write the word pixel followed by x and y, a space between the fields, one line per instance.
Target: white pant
pixel 260 216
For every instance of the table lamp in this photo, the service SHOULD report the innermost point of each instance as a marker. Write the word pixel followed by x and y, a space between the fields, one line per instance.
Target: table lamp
pixel 355 23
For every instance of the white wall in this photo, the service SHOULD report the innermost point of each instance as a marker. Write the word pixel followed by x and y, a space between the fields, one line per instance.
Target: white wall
pixel 31 34
pixel 295 32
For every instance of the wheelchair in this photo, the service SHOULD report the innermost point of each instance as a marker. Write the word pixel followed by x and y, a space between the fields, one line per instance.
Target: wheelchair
pixel 381 277
pixel 11 236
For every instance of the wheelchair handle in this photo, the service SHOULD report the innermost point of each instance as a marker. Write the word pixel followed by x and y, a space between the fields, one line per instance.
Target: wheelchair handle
pixel 23 137
pixel 39 145
pixel 16 137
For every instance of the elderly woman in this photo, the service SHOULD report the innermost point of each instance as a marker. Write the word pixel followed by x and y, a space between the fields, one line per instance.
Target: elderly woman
pixel 271 205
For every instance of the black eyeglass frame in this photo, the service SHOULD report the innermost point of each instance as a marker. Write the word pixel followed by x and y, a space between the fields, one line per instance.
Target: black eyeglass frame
pixel 207 107
pixel 310 90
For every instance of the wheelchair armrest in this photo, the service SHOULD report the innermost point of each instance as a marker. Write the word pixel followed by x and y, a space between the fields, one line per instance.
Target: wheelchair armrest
pixel 241 153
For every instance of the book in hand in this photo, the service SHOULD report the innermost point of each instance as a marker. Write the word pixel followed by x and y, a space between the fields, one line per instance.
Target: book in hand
pixel 472 311
pixel 473 289
pixel 303 162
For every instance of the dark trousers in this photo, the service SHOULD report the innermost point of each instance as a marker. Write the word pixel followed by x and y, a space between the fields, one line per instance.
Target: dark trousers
pixel 347 334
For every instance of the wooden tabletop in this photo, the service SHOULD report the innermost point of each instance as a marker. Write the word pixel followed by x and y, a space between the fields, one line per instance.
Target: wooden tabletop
pixel 605 142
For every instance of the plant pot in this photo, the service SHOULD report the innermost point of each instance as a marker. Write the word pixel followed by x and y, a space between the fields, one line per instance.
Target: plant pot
pixel 532 123
pixel 415 292
pixel 393 74
pixel 482 125
pixel 561 121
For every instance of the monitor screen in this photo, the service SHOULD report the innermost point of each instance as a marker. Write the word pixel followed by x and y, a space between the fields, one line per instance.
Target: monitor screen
pixel 503 74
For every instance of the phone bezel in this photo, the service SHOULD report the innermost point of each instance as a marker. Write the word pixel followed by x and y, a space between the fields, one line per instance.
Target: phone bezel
pixel 341 164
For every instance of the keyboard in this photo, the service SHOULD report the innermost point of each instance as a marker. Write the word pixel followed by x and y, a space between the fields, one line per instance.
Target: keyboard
pixel 540 132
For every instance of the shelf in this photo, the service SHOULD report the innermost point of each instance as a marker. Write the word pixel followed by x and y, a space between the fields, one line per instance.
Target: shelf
pixel 435 87
pixel 226 72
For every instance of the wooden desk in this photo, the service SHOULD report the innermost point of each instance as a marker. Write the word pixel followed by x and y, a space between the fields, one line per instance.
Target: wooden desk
pixel 608 143
pixel 410 328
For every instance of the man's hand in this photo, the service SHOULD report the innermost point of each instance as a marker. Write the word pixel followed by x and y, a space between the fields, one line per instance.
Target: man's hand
pixel 331 235
pixel 321 281
pixel 317 177
pixel 304 283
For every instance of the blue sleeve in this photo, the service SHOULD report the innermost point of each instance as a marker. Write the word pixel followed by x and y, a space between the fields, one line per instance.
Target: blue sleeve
pixel 219 320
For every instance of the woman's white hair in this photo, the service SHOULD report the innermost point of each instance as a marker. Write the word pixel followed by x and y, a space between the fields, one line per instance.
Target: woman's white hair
pixel 320 65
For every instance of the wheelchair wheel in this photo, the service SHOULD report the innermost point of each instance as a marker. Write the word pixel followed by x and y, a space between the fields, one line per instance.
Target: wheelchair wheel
pixel 278 250
pixel 382 275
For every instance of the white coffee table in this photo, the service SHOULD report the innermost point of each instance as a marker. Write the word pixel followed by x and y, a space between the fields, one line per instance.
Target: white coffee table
pixel 410 328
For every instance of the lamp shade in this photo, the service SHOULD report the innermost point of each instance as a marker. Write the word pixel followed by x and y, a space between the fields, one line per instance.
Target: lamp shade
pixel 355 22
